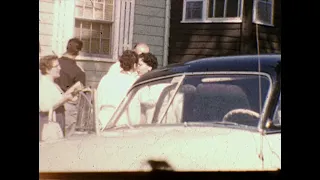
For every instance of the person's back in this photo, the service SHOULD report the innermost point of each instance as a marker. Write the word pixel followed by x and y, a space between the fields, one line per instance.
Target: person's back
pixel 113 86
pixel 70 73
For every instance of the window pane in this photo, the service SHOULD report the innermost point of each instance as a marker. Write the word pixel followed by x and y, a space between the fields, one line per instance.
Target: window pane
pixel 219 8
pixel 94 9
pixel 105 44
pixel 210 8
pixel 232 8
pixel 264 12
pixel 86 29
pixel 96 35
pixel 79 8
pixel 98 10
pixel 77 29
pixel 100 36
pixel 194 10
pixel 106 33
pixel 96 30
pixel 108 12
pixel 95 41
pixel 88 12
pixel 85 47
pixel 95 45
pixel 143 102
pixel 200 98
pixel 277 114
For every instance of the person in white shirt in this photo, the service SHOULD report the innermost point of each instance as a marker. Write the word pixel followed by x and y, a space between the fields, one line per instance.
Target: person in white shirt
pixel 147 97
pixel 50 94
pixel 113 87
pixel 138 48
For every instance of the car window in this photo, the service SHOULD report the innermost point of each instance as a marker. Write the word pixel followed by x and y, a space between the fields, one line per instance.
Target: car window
pixel 142 101
pixel 209 98
pixel 277 114
pixel 199 98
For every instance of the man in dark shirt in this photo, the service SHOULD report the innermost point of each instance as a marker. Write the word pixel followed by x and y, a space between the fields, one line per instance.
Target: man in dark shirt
pixel 71 73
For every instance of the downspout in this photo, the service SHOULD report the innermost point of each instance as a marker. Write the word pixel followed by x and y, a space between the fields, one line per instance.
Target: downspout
pixel 166 33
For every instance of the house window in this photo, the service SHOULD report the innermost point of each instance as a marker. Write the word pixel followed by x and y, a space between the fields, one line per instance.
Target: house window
pixel 93 25
pixel 212 11
pixel 263 12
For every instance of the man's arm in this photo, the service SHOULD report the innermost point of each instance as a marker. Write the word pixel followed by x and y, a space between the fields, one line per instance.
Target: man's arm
pixel 80 76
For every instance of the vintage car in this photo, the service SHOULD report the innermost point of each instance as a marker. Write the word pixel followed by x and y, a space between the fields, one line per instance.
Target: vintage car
pixel 210 114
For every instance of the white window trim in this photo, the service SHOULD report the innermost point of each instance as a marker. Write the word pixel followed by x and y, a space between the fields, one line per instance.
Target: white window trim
pixel 59 40
pixel 211 20
pixel 99 57
pixel 95 58
pixel 254 14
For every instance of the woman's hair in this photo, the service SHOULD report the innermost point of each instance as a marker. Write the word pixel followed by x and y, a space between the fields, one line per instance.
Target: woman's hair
pixel 149 59
pixel 128 59
pixel 46 63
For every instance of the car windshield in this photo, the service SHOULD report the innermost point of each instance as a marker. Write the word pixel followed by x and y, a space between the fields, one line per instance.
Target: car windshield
pixel 201 98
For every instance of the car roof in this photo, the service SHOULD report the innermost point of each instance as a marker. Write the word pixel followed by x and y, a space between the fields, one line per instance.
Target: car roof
pixel 269 63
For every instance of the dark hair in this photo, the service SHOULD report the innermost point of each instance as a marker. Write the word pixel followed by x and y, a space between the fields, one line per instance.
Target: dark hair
pixel 74 46
pixel 46 63
pixel 128 59
pixel 149 59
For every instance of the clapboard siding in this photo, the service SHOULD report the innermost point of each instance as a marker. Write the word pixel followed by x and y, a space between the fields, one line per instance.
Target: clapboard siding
pixel 45 26
pixel 195 40
pixel 190 41
pixel 94 71
pixel 148 30
pixel 149 11
pixel 152 3
pixel 149 25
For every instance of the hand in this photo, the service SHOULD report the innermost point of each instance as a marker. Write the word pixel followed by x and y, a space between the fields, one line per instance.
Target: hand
pixel 74 99
pixel 75 88
pixel 68 96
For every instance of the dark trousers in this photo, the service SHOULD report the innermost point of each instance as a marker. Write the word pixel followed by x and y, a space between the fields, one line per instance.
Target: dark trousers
pixel 43 119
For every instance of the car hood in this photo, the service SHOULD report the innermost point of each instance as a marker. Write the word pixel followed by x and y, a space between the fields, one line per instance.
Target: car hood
pixel 182 149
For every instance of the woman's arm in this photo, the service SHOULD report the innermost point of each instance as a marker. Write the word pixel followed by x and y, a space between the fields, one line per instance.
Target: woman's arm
pixel 46 102
pixel 65 98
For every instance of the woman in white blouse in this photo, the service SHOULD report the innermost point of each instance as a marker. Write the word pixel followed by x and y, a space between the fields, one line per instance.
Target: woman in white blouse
pixel 113 87
pixel 50 95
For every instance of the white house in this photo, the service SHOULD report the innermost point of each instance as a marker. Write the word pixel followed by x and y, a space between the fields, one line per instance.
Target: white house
pixel 107 27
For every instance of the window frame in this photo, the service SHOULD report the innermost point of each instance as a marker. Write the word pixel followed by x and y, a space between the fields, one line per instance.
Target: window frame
pixel 254 13
pixel 112 57
pixel 206 19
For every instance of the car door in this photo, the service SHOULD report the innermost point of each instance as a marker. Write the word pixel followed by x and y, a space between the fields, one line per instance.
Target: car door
pixel 273 138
